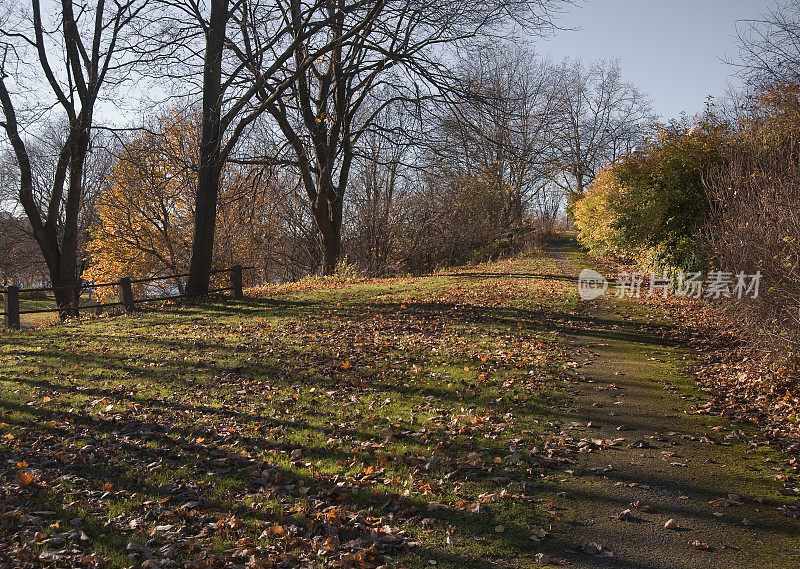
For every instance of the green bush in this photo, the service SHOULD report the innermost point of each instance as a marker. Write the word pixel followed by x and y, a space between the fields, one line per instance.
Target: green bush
pixel 651 208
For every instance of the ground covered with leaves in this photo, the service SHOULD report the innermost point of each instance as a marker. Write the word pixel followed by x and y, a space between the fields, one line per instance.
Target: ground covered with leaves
pixel 442 421
pixel 744 382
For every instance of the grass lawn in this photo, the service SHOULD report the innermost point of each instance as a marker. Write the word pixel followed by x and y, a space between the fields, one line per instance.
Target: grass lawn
pixel 42 301
pixel 478 418
pixel 387 422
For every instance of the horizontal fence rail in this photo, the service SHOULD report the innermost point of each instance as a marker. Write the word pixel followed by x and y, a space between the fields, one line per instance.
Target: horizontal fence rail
pixel 124 288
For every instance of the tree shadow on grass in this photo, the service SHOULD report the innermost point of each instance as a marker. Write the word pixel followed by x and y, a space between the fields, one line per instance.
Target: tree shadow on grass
pixel 187 440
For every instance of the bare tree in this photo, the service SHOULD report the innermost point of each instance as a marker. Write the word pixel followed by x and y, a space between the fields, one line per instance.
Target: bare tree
pixel 248 52
pixel 769 46
pixel 44 153
pixel 94 47
pixel 504 129
pixel 20 260
pixel 603 117
pixel 381 184
pixel 403 54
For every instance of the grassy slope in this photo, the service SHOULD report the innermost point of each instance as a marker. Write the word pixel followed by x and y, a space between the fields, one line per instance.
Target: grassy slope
pixel 267 417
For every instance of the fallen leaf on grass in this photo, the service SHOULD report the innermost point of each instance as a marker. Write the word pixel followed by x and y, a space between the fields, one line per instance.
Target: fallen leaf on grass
pixel 449 538
pixel 626 516
pixel 592 548
pixel 672 524
pixel 539 533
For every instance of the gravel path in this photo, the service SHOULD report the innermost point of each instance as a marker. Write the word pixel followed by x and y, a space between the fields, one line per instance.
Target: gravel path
pixel 648 462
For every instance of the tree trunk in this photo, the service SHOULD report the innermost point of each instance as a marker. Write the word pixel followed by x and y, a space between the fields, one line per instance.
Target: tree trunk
pixel 204 226
pixel 208 178
pixel 68 272
pixel 63 278
pixel 331 249
pixel 66 291
pixel 327 210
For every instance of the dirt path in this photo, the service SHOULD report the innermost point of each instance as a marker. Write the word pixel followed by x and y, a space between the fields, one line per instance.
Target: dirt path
pixel 719 482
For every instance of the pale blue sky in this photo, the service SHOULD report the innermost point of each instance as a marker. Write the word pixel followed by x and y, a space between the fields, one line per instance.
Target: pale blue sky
pixel 671 49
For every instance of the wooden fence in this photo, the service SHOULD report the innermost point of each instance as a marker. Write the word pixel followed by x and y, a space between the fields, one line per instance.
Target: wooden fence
pixel 125 294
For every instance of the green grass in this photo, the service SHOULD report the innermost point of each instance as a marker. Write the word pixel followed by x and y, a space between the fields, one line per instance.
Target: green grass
pixel 396 393
pixel 43 305
pixel 311 420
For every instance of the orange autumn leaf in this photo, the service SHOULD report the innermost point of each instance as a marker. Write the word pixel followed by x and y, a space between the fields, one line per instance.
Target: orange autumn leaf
pixel 277 531
pixel 26 479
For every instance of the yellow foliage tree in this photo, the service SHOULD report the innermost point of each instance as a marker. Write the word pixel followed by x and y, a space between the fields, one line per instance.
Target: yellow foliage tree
pixel 146 212
pixel 595 214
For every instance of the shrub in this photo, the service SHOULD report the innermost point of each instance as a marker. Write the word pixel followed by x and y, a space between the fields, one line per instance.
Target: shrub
pixel 651 208
pixel 596 215
pixel 755 219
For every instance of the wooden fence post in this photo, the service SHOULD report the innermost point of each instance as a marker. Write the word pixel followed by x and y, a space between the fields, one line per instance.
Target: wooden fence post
pixel 236 281
pixel 126 294
pixel 11 307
